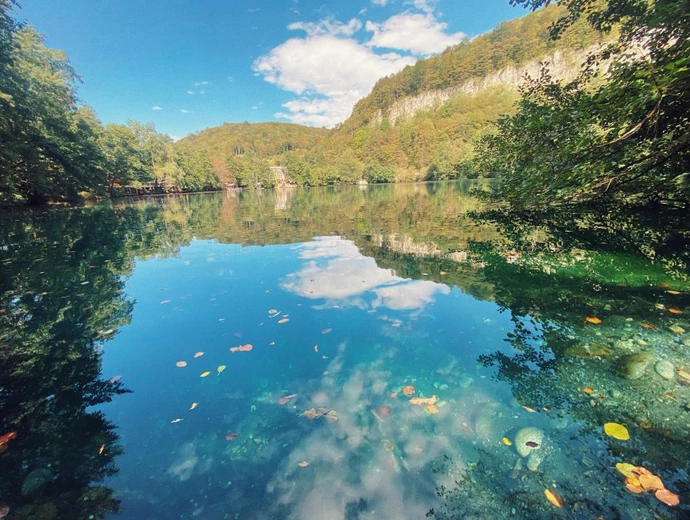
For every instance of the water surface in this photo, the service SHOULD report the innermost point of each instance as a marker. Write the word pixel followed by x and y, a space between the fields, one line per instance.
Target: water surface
pixel 350 299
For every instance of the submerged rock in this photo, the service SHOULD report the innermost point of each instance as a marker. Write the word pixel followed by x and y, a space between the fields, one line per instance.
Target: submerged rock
pixel 634 366
pixel 36 480
pixel 447 366
pixel 665 369
pixel 677 329
pixel 528 440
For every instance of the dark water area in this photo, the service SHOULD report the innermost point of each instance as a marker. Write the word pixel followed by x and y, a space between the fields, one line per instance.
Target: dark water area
pixel 350 353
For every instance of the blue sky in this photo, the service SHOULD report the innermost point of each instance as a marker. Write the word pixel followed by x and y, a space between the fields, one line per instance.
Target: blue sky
pixel 191 64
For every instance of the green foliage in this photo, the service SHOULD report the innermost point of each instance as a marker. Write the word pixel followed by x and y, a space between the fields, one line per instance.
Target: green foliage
pixel 623 134
pixel 376 173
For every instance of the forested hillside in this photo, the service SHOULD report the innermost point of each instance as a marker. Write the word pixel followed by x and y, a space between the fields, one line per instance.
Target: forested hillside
pixel 421 123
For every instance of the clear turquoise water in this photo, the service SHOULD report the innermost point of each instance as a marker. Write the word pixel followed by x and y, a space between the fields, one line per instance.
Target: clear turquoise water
pixel 382 288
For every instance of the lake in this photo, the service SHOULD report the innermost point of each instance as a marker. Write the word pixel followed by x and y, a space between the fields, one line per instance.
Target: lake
pixel 393 352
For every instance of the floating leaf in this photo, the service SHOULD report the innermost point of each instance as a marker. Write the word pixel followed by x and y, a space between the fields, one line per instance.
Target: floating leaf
pixel 667 497
pixel 394 394
pixel 231 436
pixel 593 320
pixel 587 390
pixel 408 390
pixel 326 331
pixel 194 405
pixel 675 311
pixel 165 302
pixel 617 431
pixel 423 401
pixel 626 469
pixel 633 488
pixel 284 320
pixel 7 438
pixel 647 326
pixel 431 409
pixel 175 421
pixel 242 348
pixel 101 449
pixel 554 498
pixel 198 354
pixel 286 399
pixel 530 410
pixel 650 482
pixel 221 369
pixel 506 441
pixel 205 374
pixel 670 291
pixel 273 311
pixel 181 364
pixel 316 348
pixel 303 464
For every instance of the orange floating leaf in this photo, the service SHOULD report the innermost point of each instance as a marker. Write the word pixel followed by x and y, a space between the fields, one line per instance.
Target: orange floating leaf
pixel 231 436
pixel 7 438
pixel 667 497
pixel 675 311
pixel 286 399
pixel 432 409
pixel 633 488
pixel 423 401
pixel 593 320
pixel 650 482
pixel 647 326
pixel 284 320
pixel 198 354
pixel 587 390
pixel 554 498
pixel 408 390
pixel 242 348
pixel 181 364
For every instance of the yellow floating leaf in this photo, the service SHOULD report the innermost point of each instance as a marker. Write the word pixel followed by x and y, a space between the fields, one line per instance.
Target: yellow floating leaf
pixel 626 469
pixel 554 498
pixel 432 409
pixel 205 374
pixel 506 441
pixel 194 405
pixel 617 431
pixel 670 291
pixel 593 320
pixel 530 410
pixel 101 449
pixel 221 369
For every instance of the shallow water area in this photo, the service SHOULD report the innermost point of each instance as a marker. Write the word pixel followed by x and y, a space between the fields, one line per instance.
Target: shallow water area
pixel 360 352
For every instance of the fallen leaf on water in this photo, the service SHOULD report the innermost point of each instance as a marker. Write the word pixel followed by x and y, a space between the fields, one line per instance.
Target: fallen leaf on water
pixel 7 438
pixel 181 364
pixel 284 320
pixel 194 405
pixel 205 374
pixel 198 354
pixel 286 399
pixel 675 311
pixel 617 431
pixel 667 497
pixel 273 311
pixel 633 488
pixel 303 464
pixel 314 413
pixel 423 401
pixel 175 421
pixel 101 449
pixel 221 369
pixel 408 390
pixel 231 436
pixel 242 348
pixel 431 409
pixel 647 326
pixel 587 390
pixel 530 410
pixel 316 348
pixel 377 417
pixel 593 320
pixel 682 373
pixel 384 410
pixel 554 498
pixel 626 469
pixel 394 394
pixel 670 291
pixel 271 343
pixel 650 482
pixel 324 357
pixel 326 331
pixel 506 441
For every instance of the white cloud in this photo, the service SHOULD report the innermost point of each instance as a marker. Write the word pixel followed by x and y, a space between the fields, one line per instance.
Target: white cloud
pixel 191 92
pixel 330 73
pixel 327 26
pixel 379 2
pixel 185 111
pixel 424 5
pixel 420 34
pixel 202 92
pixel 156 108
pixel 200 83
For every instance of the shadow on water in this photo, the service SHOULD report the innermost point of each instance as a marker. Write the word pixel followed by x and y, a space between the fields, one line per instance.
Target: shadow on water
pixel 62 298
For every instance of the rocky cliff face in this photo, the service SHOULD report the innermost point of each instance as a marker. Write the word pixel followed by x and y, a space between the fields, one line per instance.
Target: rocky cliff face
pixel 563 66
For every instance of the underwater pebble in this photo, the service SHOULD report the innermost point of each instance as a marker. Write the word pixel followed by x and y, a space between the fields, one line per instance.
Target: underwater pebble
pixel 634 366
pixel 665 369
